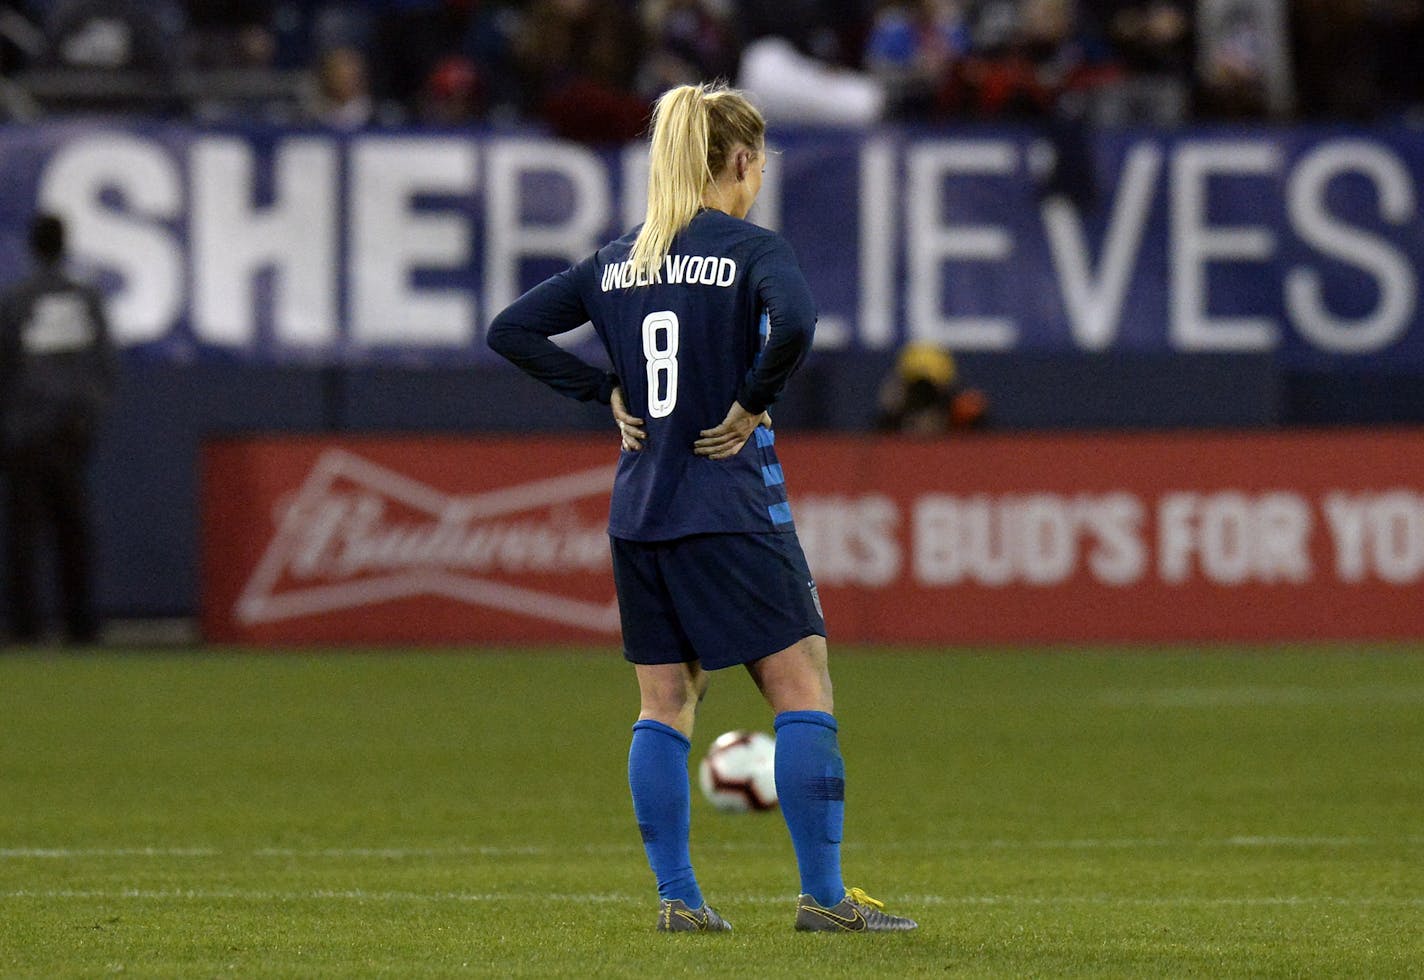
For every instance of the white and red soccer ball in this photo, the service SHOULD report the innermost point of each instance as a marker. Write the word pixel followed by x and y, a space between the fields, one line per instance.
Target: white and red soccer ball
pixel 738 773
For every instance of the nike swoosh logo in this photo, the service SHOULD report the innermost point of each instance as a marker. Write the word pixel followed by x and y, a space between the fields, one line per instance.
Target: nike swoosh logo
pixel 852 924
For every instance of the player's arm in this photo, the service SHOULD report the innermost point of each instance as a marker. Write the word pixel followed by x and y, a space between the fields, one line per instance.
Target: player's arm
pixel 784 294
pixel 522 334
pixel 786 297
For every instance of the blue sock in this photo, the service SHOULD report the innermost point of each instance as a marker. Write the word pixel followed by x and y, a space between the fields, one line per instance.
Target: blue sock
pixel 662 802
pixel 810 783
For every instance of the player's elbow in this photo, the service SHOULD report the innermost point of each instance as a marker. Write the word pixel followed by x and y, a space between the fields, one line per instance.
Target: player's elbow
pixel 797 333
pixel 502 336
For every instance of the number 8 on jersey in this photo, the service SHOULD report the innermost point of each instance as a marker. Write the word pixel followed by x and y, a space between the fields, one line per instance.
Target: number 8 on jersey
pixel 662 361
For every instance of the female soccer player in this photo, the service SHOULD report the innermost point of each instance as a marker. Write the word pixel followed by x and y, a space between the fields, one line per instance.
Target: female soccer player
pixel 704 316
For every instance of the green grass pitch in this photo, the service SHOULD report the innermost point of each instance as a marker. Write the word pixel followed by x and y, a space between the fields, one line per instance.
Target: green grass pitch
pixel 1072 813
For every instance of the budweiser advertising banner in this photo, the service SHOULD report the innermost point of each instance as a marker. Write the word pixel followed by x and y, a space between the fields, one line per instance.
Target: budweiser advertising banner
pixel 1161 537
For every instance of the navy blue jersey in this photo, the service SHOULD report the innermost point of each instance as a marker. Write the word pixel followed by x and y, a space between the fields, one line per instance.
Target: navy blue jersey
pixel 728 317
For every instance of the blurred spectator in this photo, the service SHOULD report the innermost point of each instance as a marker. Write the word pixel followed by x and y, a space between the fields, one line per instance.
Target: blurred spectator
pixel 22 41
pixel 589 68
pixel 410 37
pixel 792 87
pixel 797 63
pixel 832 32
pixel 110 54
pixel 1027 57
pixel 115 35
pixel 327 24
pixel 231 34
pixel 1153 41
pixel 580 60
pixel 1336 58
pixel 341 96
pixel 454 93
pixel 56 379
pixel 922 396
pixel 690 41
pixel 912 47
pixel 488 44
pixel 1399 34
pixel 1357 58
pixel 1242 58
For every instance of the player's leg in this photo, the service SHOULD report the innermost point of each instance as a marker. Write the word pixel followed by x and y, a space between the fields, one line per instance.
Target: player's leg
pixel 810 784
pixel 669 694
pixel 670 683
pixel 750 599
pixel 810 774
pixel 662 797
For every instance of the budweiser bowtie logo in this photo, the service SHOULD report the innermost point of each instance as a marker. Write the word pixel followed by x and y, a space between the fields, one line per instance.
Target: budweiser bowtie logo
pixel 356 533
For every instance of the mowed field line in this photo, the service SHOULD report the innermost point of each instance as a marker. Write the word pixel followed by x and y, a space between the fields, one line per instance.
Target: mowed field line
pixel 537 850
pixel 618 898
pixel 1258 696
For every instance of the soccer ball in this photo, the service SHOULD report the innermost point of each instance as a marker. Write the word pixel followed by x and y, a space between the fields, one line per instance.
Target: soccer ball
pixel 738 773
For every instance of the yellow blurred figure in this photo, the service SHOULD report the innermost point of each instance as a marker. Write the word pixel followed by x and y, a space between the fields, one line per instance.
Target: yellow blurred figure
pixel 922 396
pixel 922 361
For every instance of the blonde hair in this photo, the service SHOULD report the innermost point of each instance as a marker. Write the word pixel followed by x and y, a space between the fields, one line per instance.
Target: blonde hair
pixel 695 129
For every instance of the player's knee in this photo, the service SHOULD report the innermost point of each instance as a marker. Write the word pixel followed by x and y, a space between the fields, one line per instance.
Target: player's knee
pixel 797 679
pixel 666 703
pixel 668 694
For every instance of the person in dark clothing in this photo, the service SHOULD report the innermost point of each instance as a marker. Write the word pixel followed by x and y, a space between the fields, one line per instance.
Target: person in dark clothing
pixel 57 371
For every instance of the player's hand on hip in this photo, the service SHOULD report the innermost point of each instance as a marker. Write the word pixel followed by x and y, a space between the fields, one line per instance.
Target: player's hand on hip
pixel 630 428
pixel 727 439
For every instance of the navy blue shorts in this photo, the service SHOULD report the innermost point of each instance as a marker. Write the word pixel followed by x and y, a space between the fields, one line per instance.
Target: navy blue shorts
pixel 722 599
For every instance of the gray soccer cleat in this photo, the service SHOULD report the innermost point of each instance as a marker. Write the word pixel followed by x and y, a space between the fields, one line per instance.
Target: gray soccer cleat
pixel 675 916
pixel 857 912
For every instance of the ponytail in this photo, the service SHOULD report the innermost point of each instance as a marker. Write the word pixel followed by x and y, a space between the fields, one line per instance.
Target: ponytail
pixel 694 128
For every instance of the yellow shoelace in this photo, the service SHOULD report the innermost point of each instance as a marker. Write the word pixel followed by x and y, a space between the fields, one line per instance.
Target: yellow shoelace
pixel 856 895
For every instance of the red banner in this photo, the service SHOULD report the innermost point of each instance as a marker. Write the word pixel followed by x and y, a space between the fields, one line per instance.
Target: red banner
pixel 1157 537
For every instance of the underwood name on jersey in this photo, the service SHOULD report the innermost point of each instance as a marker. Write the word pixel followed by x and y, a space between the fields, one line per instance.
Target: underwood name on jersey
pixel 691 270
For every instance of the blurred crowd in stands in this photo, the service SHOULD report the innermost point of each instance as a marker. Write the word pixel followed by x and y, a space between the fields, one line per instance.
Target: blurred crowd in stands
pixel 588 69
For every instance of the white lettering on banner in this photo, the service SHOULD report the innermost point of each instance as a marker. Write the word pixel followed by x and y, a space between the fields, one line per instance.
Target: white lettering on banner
pixel 188 227
pixel 133 237
pixel 1380 535
pixel 934 241
pixel 878 238
pixel 1224 537
pixel 337 545
pixel 1036 539
pixel 1231 538
pixel 1120 557
pixel 850 540
pixel 1391 271
pixel 390 241
pixel 584 215
pixel 294 236
pixel 1195 244
pixel 1094 303
pixel 353 534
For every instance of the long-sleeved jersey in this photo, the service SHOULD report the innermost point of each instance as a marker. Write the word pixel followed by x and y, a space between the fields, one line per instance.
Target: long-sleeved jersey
pixel 728 316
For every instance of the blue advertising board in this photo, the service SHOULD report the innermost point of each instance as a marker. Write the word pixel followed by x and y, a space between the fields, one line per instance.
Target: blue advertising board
pixel 306 247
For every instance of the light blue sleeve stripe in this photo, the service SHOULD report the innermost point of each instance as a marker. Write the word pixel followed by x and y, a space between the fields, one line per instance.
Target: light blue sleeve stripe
pixel 772 475
pixel 764 437
pixel 780 513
